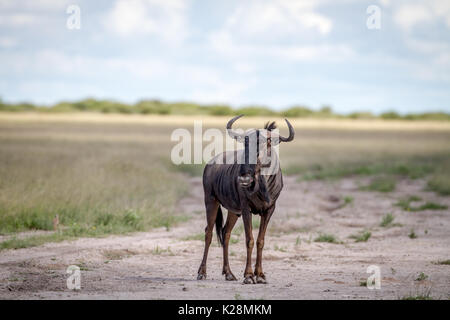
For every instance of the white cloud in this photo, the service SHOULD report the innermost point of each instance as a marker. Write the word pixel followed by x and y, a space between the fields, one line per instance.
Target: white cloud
pixel 59 64
pixel 224 43
pixel 27 13
pixel 18 19
pixel 244 67
pixel 431 60
pixel 34 4
pixel 51 62
pixel 427 47
pixel 266 29
pixel 223 92
pixel 408 15
pixel 8 42
pixel 436 67
pixel 315 52
pixel 165 19
pixel 280 17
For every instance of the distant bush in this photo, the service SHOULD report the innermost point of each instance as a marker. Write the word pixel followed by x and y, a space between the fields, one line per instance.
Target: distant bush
pixel 151 107
pixel 390 115
pixel 428 116
pixel 297 111
pixel 256 111
pixel 361 115
pixel 220 110
pixel 20 107
pixel 61 107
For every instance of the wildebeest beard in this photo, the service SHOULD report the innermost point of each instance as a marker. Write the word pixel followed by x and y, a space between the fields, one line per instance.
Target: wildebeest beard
pixel 252 168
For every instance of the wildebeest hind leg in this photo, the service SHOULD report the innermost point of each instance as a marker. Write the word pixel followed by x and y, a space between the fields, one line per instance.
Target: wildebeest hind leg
pixel 211 213
pixel 231 221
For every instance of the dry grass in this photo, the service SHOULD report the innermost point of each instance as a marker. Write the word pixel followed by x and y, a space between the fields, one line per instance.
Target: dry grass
pixel 107 174
pixel 117 254
pixel 96 183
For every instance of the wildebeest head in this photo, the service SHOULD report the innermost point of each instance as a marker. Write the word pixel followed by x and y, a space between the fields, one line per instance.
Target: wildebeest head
pixel 258 145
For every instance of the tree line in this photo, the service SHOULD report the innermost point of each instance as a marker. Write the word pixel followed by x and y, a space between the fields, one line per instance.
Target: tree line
pixel 187 108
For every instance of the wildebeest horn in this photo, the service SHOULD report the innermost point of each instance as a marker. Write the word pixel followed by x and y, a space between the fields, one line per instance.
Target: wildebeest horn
pixel 291 133
pixel 231 132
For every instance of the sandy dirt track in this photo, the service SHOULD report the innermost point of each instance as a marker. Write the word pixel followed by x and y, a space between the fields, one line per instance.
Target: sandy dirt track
pixel 163 264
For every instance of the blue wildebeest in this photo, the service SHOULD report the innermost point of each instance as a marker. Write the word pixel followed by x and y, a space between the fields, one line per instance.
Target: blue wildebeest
pixel 243 188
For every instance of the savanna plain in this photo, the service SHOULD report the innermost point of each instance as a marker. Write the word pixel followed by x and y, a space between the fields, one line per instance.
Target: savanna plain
pixel 100 191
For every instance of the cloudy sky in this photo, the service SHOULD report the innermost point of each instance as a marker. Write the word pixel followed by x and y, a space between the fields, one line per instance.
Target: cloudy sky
pixel 275 53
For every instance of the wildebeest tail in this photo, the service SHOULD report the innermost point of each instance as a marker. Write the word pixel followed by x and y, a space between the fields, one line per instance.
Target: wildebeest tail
pixel 219 226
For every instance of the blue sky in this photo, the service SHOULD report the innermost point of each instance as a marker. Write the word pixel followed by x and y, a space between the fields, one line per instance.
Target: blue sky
pixel 276 53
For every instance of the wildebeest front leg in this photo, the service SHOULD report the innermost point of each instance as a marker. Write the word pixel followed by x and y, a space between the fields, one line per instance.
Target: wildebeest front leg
pixel 231 221
pixel 211 213
pixel 248 274
pixel 260 277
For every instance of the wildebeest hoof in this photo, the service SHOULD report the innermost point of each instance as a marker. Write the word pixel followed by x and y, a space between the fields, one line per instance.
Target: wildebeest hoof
pixel 201 276
pixel 249 280
pixel 230 277
pixel 261 279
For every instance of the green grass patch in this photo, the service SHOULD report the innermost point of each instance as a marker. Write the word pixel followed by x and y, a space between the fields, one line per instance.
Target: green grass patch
pixel 239 229
pixel 421 277
pixel 418 297
pixel 278 248
pixel 381 184
pixel 104 225
pixel 234 240
pixel 159 251
pixel 440 180
pixel 405 204
pixel 70 233
pixel 412 170
pixel 16 243
pixel 362 236
pixel 326 238
pixel 193 170
pixel 348 200
pixel 83 266
pixel 197 236
pixel 387 220
pixel 424 294
pixel 166 220
pixel 438 167
pixel 412 234
pixel 443 262
pixel 430 206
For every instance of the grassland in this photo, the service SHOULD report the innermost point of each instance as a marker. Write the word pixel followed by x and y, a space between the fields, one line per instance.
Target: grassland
pixel 105 174
pixel 98 178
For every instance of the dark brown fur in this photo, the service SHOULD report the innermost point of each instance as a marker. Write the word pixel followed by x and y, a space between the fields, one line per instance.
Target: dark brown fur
pixel 222 188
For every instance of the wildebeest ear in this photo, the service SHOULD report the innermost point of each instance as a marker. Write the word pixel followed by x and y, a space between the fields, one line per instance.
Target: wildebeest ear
pixel 269 126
